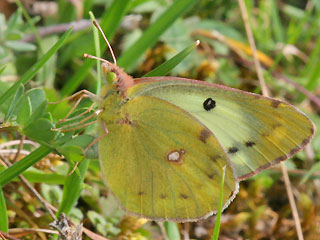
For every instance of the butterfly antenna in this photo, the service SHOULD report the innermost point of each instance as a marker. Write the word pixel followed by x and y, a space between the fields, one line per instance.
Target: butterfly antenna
pixel 96 24
pixel 86 55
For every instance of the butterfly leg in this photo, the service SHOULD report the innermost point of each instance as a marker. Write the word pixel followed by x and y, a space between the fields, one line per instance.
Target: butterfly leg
pixel 73 169
pixel 106 131
pixel 2 236
pixel 90 145
pixel 83 94
pixel 80 124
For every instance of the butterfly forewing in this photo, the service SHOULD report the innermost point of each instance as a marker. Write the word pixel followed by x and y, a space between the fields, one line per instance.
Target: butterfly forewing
pixel 162 163
pixel 255 131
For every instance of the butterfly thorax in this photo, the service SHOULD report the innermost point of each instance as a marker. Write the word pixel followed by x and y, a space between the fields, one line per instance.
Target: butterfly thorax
pixel 112 108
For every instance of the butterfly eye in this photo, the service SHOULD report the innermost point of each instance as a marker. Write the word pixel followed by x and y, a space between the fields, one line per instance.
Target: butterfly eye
pixel 209 104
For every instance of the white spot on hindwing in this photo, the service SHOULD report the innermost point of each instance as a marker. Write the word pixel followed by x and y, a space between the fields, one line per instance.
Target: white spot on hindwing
pixel 175 156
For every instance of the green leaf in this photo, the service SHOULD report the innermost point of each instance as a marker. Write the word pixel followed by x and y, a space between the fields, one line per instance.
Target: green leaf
pixel 38 104
pixel 62 138
pixel 152 34
pixel 24 111
pixel 40 130
pixel 35 68
pixel 31 107
pixel 37 113
pixel 14 102
pixel 20 46
pixel 72 153
pixel 166 67
pixel 82 140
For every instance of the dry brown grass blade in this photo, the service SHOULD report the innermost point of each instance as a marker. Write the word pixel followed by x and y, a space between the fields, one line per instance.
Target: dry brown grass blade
pixel 265 93
pixel 33 190
pixel 23 232
pixel 5 236
pixel 93 235
pixel 238 47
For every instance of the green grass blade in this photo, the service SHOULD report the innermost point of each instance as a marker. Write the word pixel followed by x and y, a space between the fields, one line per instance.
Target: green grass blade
pixel 312 68
pixel 112 18
pixel 73 184
pixel 216 230
pixel 32 26
pixel 37 176
pixel 311 71
pixel 276 23
pixel 42 177
pixel 98 53
pixel 172 230
pixel 3 214
pixel 109 23
pixel 35 68
pixel 76 79
pixel 167 66
pixel 152 34
pixel 2 69
pixel 292 34
pixel 72 188
pixel 20 166
pixel 315 168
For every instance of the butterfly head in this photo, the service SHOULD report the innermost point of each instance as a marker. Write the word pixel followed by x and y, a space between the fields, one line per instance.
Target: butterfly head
pixel 121 79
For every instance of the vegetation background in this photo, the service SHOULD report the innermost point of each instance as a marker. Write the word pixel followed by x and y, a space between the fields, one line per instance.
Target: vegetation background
pixel 41 61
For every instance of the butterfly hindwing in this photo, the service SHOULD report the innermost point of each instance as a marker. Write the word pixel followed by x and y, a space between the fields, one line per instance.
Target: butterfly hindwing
pixel 255 131
pixel 162 163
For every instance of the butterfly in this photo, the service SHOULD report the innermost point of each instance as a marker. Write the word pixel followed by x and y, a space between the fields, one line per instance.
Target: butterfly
pixel 168 139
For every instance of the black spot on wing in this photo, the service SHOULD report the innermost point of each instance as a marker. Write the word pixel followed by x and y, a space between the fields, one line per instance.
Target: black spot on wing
pixel 210 175
pixel 204 134
pixel 209 104
pixel 233 150
pixel 215 158
pixel 163 196
pixel 274 126
pixel 250 144
pixel 184 196
pixel 275 103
